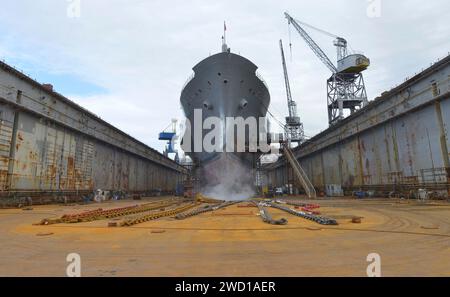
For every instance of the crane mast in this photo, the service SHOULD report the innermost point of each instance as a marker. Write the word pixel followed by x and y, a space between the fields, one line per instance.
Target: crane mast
pixel 345 88
pixel 293 127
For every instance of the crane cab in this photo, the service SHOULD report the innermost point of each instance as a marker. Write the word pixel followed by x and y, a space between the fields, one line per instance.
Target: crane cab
pixel 354 63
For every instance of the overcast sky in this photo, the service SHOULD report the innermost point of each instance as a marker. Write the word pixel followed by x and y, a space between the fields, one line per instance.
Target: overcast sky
pixel 127 60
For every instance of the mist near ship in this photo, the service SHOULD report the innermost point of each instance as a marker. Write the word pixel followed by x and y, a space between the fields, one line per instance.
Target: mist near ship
pixel 228 178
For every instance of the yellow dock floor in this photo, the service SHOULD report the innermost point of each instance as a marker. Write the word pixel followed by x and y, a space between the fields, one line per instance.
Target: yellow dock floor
pixel 411 237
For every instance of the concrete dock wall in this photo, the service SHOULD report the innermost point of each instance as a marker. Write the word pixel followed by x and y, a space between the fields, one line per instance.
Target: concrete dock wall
pixel 48 144
pixel 399 142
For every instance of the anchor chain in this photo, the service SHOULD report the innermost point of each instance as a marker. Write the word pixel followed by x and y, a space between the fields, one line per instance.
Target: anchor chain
pixel 99 214
pixel 266 217
pixel 201 210
pixel 315 218
pixel 153 216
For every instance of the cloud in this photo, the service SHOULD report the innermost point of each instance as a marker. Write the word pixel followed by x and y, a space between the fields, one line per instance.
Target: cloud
pixel 141 52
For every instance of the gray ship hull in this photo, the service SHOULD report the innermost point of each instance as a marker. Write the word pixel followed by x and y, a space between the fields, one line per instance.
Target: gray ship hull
pixel 224 85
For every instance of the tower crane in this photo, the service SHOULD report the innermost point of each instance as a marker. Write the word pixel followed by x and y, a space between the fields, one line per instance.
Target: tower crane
pixel 345 87
pixel 294 127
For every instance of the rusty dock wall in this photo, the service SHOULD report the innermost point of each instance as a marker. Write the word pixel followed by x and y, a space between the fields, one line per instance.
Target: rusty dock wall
pixel 399 142
pixel 51 146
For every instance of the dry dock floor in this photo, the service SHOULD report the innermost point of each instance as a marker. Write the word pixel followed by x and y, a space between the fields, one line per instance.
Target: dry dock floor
pixel 412 238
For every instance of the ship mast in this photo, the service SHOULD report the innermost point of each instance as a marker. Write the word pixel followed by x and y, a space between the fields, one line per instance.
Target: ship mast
pixel 224 39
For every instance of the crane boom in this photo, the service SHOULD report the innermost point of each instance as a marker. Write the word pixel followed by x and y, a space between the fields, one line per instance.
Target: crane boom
pixel 312 44
pixel 290 102
pixel 293 127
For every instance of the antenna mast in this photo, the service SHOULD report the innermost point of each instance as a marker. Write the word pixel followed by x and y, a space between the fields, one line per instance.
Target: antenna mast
pixel 224 38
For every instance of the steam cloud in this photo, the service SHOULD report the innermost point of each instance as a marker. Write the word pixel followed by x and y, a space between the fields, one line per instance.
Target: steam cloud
pixel 228 178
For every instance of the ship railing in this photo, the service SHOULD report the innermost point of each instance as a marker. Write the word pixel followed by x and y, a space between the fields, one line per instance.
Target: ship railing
pixel 261 79
pixel 191 77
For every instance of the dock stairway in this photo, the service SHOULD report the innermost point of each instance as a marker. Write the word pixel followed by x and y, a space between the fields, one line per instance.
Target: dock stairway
pixel 299 172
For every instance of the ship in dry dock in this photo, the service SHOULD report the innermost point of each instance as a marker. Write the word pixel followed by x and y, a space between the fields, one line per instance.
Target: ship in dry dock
pixel 225 85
